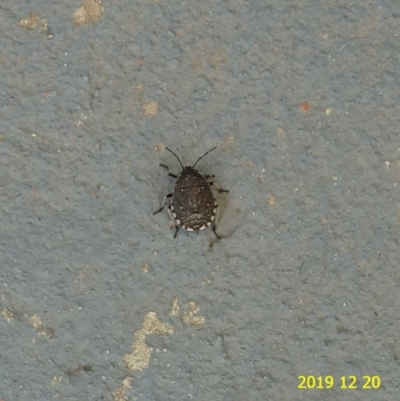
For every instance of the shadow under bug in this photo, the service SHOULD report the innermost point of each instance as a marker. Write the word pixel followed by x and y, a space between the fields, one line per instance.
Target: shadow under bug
pixel 193 206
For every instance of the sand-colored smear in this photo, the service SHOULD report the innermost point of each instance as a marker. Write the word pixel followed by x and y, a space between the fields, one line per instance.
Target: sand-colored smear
pixel 139 358
pixel 91 11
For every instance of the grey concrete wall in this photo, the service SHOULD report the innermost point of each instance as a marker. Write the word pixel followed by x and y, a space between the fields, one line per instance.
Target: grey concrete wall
pixel 97 300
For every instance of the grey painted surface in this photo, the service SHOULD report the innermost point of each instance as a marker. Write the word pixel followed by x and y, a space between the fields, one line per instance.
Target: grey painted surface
pixel 307 281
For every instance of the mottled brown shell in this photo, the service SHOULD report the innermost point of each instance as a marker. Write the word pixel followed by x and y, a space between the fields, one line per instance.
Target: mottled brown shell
pixel 193 203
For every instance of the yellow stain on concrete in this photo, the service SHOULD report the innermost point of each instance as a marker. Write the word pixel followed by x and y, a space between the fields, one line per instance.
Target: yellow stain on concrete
pixel 189 317
pixel 139 358
pixel 89 12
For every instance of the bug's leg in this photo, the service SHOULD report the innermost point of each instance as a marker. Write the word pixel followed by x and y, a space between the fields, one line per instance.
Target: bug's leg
pixel 214 224
pixel 162 204
pixel 213 228
pixel 174 221
pixel 169 174
pixel 216 186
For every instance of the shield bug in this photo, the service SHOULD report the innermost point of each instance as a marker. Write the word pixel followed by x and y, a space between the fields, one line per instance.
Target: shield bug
pixel 193 206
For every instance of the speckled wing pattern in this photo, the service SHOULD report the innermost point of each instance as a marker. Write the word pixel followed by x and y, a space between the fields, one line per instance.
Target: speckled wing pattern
pixel 195 207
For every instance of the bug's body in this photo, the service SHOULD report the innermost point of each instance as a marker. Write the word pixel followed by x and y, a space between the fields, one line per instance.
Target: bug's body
pixel 193 203
pixel 193 206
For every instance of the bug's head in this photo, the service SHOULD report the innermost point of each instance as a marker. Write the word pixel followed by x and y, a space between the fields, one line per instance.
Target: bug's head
pixel 187 170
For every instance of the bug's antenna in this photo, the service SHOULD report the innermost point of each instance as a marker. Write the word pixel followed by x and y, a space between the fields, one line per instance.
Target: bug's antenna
pixel 177 157
pixel 215 147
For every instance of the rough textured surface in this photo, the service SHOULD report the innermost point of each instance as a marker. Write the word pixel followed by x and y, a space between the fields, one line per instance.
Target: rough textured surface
pixel 98 301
